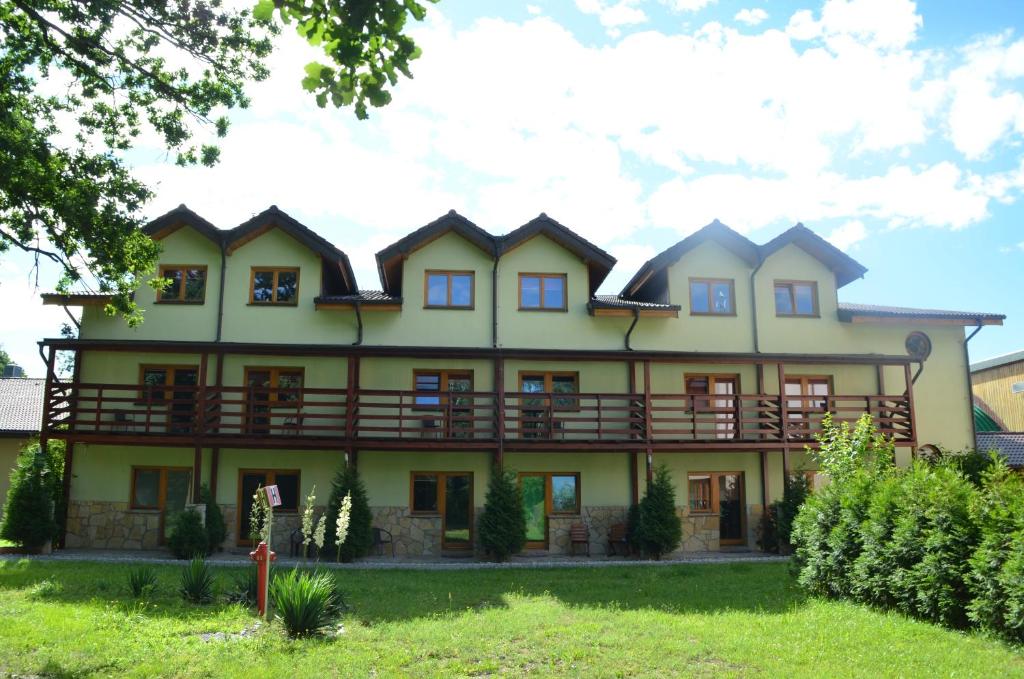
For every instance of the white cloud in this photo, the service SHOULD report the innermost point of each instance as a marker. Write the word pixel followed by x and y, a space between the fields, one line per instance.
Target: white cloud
pixel 534 10
pixel 751 17
pixel 849 234
pixel 614 15
pixel 688 5
pixel 880 24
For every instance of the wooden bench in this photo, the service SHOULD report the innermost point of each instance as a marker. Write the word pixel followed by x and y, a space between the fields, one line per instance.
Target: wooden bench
pixel 618 540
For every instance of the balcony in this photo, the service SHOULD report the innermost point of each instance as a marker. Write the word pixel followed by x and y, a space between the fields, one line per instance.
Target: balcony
pixel 312 418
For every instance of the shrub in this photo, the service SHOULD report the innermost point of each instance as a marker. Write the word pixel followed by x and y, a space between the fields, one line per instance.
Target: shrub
pixel 141 581
pixel 359 539
pixel 306 603
pixel 660 530
pixel 502 526
pixel 28 518
pixel 245 587
pixel 633 528
pixel 777 522
pixel 197 582
pixel 996 579
pixel 188 538
pixel 216 529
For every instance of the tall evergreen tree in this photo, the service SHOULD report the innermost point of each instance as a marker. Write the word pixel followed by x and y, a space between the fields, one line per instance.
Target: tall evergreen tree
pixel 660 530
pixel 29 511
pixel 502 524
pixel 359 539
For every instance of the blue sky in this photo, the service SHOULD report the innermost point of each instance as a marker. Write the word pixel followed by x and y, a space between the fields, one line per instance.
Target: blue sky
pixel 892 128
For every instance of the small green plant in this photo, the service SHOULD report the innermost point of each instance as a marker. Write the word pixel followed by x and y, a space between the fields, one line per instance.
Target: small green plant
pixel 216 529
pixel 306 603
pixel 188 537
pixel 197 582
pixel 244 588
pixel 45 589
pixel 660 530
pixel 502 525
pixel 142 582
pixel 28 517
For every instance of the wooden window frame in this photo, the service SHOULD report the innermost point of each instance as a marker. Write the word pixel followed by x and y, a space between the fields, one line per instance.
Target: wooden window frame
pixel 449 273
pixel 542 276
pixel 443 375
pixel 276 270
pixel 790 285
pixel 548 502
pixel 275 375
pixel 168 386
pixel 736 411
pixel 711 306
pixel 161 492
pixel 549 376
pixel 442 502
pixel 183 268
pixel 715 500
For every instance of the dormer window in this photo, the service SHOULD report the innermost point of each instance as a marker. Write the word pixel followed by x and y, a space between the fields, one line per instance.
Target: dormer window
pixel 796 298
pixel 186 284
pixel 448 290
pixel 274 286
pixel 712 297
pixel 542 292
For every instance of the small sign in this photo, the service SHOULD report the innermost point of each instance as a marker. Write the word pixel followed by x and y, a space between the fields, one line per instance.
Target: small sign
pixel 273 496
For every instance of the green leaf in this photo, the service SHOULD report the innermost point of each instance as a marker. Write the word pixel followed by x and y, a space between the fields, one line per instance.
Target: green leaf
pixel 264 10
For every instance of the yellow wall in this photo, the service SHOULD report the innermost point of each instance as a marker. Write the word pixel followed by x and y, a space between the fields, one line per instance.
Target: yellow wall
pixel 387 474
pixel 102 473
pixel 994 387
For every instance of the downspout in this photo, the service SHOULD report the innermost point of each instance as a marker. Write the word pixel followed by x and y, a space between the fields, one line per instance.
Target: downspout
pixel 970 386
pixel 494 298
pixel 753 303
pixel 220 296
pixel 636 318
pixel 359 325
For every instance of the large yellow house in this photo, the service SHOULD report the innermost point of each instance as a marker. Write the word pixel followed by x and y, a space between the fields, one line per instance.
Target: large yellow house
pixel 264 362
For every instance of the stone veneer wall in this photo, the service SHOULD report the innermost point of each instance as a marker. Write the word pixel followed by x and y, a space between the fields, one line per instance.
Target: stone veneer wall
pixel 111 525
pixel 280 535
pixel 599 521
pixel 413 535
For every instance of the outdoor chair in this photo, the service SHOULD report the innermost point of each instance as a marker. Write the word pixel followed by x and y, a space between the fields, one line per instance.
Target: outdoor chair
pixel 618 540
pixel 579 535
pixel 383 537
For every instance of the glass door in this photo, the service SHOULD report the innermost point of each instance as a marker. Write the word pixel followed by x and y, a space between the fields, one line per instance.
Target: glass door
pixel 258 401
pixel 730 509
pixel 532 487
pixel 183 401
pixel 458 512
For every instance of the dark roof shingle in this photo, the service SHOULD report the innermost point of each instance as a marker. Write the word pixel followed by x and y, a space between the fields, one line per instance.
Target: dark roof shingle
pixel 616 302
pixel 1009 444
pixel 848 310
pixel 363 297
pixel 21 405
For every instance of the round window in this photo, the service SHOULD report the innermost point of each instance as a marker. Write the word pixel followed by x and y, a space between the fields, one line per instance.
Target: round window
pixel 918 345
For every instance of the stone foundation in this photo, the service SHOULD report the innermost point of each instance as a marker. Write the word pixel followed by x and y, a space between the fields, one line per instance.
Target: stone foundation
pixel 598 520
pixel 280 535
pixel 413 534
pixel 112 525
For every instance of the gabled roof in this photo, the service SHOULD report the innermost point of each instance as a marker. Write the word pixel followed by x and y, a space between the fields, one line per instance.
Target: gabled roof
pixel 849 312
pixel 845 268
pixel 389 260
pixel 1009 444
pixel 716 231
pixel 1005 359
pixel 21 405
pixel 169 222
pixel 599 263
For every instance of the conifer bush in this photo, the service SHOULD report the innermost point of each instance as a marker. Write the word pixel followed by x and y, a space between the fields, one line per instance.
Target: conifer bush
pixel 359 539
pixel 660 530
pixel 777 523
pixel 187 537
pixel 502 524
pixel 29 512
pixel 216 528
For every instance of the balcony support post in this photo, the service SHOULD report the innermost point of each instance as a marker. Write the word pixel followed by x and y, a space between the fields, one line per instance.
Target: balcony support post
pixel 214 463
pixel 784 423
pixel 352 383
pixel 633 457
pixel 648 421
pixel 499 411
pixel 197 474
pixel 910 405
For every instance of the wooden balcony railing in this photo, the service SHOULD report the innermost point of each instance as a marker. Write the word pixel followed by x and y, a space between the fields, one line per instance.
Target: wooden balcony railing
pixel 258 415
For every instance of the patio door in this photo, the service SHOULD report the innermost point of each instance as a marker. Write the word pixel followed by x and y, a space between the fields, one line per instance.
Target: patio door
pixel 162 488
pixel 545 494
pixel 456 519
pixel 725 410
pixel 730 509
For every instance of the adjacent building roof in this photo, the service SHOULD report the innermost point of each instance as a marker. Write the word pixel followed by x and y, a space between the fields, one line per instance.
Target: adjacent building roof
pixel 848 312
pixel 363 298
pixel 75 299
pixel 1005 359
pixel 1009 444
pixel 985 419
pixel 616 302
pixel 21 405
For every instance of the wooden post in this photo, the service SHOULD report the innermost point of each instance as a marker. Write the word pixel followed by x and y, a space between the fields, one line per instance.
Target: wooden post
pixel 764 480
pixel 499 412
pixel 197 474
pixel 910 405
pixel 214 462
pixel 648 421
pixel 633 457
pixel 784 422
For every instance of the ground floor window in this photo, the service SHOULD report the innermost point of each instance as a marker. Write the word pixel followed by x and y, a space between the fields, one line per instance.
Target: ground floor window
pixel 719 493
pixel 545 494
pixel 287 482
pixel 165 489
pixel 449 495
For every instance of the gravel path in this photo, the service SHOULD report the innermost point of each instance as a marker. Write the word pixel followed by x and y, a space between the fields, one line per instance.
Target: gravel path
pixel 434 564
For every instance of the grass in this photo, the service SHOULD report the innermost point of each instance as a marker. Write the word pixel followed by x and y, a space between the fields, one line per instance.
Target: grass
pixel 77 619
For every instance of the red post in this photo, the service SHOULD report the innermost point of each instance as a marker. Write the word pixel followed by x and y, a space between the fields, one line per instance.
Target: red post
pixel 262 556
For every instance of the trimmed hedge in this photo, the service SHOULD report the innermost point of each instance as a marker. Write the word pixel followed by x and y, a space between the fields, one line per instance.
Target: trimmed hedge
pixel 939 541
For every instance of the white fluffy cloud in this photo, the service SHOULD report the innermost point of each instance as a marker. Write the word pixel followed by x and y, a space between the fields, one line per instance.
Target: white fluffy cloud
pixel 849 234
pixel 751 17
pixel 614 15
pixel 880 24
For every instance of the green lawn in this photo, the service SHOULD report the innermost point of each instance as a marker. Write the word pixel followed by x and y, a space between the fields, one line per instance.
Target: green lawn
pixel 75 619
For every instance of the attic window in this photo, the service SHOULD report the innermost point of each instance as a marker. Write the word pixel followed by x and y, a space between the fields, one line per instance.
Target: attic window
pixel 542 292
pixel 274 286
pixel 796 298
pixel 186 284
pixel 448 290
pixel 712 296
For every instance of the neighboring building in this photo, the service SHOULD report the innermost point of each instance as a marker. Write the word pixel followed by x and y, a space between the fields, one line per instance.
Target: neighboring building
pixel 998 384
pixel 1008 444
pixel 263 362
pixel 21 413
